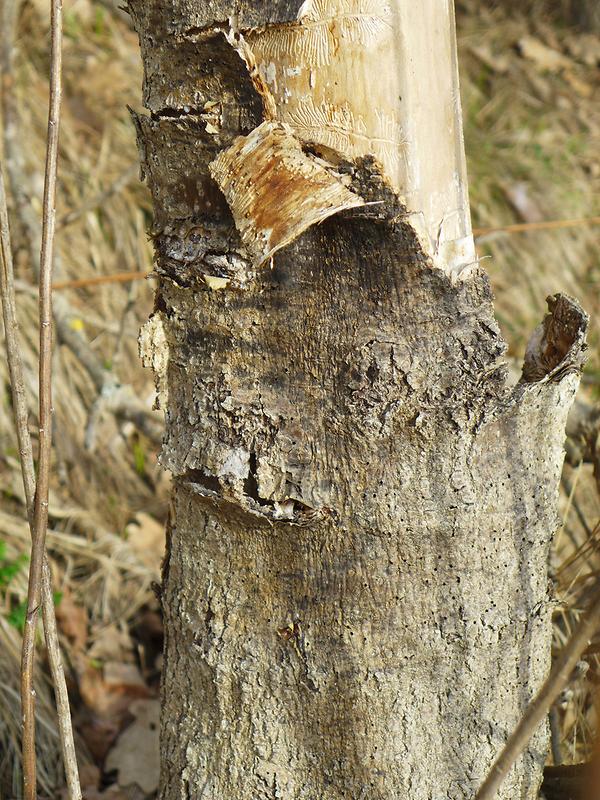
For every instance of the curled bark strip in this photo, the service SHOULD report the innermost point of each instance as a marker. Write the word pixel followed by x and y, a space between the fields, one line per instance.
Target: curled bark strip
pixel 275 190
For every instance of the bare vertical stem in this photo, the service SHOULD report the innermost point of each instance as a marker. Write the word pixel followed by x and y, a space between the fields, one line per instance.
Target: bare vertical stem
pixel 13 353
pixel 21 413
pixel 63 710
pixel 40 507
pixel 541 704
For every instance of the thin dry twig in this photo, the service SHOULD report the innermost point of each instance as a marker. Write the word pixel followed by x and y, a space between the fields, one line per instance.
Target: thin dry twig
pixel 7 295
pixel 119 277
pixel 15 366
pixel 40 506
pixel 545 225
pixel 548 694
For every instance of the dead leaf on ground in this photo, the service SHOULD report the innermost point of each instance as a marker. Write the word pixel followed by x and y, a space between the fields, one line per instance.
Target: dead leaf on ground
pixel 112 793
pixel 135 756
pixel 97 732
pixel 544 57
pixel 493 61
pixel 146 538
pixel 111 643
pixel 583 88
pixel 109 691
pixel 584 47
pixel 123 676
pixel 72 620
pixel 89 776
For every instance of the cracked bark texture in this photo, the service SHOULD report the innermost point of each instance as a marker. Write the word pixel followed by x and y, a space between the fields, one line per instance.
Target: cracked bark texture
pixel 355 590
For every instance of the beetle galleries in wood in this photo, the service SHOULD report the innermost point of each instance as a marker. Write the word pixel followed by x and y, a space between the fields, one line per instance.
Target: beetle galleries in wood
pixel 407 114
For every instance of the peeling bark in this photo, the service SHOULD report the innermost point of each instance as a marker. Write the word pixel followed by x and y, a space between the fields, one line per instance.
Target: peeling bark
pixel 355 590
pixel 275 190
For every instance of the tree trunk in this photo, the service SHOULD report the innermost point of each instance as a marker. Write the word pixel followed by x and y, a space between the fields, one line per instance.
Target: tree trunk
pixel 355 589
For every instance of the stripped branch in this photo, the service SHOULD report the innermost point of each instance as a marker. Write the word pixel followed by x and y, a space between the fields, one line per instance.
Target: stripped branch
pixel 544 225
pixel 119 277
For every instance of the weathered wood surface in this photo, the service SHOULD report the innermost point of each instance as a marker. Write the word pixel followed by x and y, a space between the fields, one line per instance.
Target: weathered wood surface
pixel 356 593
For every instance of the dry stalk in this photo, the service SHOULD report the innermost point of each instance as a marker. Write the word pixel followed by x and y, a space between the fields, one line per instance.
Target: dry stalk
pixel 15 365
pixel 548 694
pixel 544 225
pixel 7 295
pixel 119 277
pixel 39 573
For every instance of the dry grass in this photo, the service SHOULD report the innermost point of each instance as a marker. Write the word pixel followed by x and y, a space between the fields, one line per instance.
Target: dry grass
pixel 540 131
pixel 99 485
pixel 530 132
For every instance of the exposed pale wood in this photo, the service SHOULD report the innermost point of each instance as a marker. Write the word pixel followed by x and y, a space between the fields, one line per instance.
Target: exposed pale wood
pixel 406 113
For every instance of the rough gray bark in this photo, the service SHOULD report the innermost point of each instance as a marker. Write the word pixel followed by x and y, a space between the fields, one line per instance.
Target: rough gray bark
pixel 355 589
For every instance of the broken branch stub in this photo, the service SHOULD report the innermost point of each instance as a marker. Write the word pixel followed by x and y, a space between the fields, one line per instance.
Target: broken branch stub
pixel 275 190
pixel 558 344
